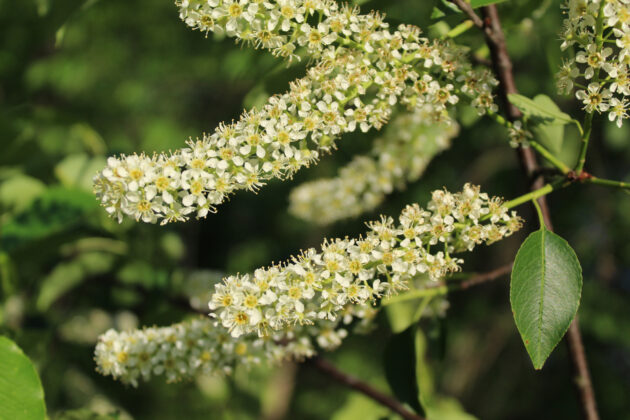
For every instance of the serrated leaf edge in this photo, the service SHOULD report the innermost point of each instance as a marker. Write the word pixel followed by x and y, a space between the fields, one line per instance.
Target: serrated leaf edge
pixel 560 116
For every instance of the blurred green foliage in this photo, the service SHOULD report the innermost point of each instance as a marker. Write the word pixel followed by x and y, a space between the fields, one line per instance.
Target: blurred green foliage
pixel 81 80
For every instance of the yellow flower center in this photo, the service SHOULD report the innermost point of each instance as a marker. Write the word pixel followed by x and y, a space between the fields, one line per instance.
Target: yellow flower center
pixel 241 318
pixel 295 292
pixel 196 187
pixel 309 124
pixel 332 265
pixel 198 163
pixel 253 139
pixel 144 206
pixel 355 266
pixel 287 11
pixel 284 138
pixel 226 153
pixel 251 301
pixel 207 20
pixel 162 183
pixel 314 37
pixel 309 278
pixel 136 174
pixel 122 357
pixel 235 10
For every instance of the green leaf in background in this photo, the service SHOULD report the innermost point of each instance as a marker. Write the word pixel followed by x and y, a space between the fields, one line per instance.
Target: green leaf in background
pixel 545 292
pixel 18 191
pixel 7 276
pixel 411 377
pixel 21 393
pixel 541 107
pixel 400 368
pixel 400 315
pixel 67 275
pixel 51 212
pixel 443 8
pixel 480 3
pixel 78 170
pixel 84 414
pixel 360 407
pixel 550 134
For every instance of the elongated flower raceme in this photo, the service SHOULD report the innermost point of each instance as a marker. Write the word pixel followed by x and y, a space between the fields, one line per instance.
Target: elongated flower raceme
pixel 308 303
pixel 599 30
pixel 320 284
pixel 363 69
pixel 187 349
pixel 409 143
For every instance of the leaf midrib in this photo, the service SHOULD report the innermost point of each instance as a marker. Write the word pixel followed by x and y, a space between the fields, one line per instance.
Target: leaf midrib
pixel 542 293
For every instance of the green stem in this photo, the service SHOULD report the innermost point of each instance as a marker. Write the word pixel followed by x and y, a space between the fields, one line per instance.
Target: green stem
pixel 609 183
pixel 546 189
pixel 416 294
pixel 588 126
pixel 541 219
pixel 588 119
pixel 442 289
pixel 549 157
pixel 459 29
pixel 544 152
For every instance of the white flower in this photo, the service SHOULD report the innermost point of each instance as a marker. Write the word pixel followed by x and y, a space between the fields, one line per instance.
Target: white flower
pixel 409 143
pixel 597 52
pixel 356 81
pixel 618 111
pixel 594 98
pixel 320 284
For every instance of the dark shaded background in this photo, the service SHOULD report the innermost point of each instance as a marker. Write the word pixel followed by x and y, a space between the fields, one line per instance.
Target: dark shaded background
pixel 81 80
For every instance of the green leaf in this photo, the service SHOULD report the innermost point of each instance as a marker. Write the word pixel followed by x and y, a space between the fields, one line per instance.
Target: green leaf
pixel 400 315
pixel 443 8
pixel 55 210
pixel 545 292
pixel 400 368
pixel 21 393
pixel 437 13
pixel 424 375
pixel 67 275
pixel 480 3
pixel 18 191
pixel 359 407
pixel 84 414
pixel 78 170
pixel 541 107
pixel 550 134
pixel 411 377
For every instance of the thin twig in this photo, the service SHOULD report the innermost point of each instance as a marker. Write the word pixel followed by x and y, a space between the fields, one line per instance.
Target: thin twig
pixel 331 371
pixel 582 377
pixel 465 7
pixel 441 289
pixel 478 279
pixel 503 69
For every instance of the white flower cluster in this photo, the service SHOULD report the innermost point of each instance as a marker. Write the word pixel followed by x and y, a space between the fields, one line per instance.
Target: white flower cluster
pixel 309 303
pixel 519 135
pixel 318 285
pixel 198 346
pixel 600 32
pixel 363 70
pixel 408 144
